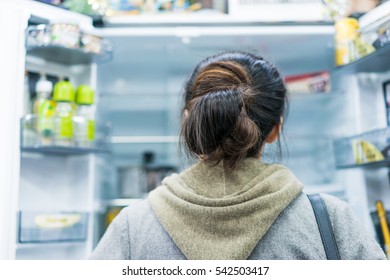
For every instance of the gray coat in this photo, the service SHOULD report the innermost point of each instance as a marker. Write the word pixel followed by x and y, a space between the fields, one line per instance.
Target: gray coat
pixel 137 234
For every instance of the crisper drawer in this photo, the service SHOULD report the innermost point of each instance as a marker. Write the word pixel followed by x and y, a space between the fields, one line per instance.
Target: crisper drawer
pixel 37 227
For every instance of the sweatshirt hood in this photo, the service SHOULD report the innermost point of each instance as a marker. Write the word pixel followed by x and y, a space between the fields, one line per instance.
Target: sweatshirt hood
pixel 216 213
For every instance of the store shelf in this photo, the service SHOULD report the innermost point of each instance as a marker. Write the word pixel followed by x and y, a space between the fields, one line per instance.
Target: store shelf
pixel 67 56
pixel 376 62
pixel 57 150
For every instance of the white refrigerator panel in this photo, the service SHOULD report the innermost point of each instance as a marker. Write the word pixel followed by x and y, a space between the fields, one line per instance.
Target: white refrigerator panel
pixel 13 22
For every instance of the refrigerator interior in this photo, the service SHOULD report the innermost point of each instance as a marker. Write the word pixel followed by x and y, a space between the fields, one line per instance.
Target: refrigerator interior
pixel 139 93
pixel 141 96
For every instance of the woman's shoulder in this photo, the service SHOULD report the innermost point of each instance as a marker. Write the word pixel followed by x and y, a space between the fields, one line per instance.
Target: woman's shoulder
pixel 334 202
pixel 137 208
pixel 353 239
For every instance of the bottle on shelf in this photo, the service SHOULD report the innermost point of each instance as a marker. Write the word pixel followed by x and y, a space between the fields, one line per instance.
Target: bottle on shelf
pixel 63 114
pixel 84 119
pixel 29 130
pixel 26 96
pixel 384 226
pixel 349 44
pixel 43 108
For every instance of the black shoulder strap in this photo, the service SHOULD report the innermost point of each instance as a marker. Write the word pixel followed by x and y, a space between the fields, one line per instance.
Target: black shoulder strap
pixel 325 227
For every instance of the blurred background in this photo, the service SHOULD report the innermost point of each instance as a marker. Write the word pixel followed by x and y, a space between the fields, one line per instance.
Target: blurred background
pixel 92 99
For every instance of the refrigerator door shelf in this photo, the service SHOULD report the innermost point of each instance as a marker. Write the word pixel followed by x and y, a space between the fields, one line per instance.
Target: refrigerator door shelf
pixel 67 56
pixel 66 44
pixel 375 164
pixel 64 151
pixel 370 149
pixel 38 136
pixel 375 62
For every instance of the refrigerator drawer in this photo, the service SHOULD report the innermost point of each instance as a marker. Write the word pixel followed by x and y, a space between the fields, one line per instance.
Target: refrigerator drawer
pixel 36 227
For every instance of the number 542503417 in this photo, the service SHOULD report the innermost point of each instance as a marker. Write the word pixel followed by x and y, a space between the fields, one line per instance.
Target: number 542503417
pixel 241 270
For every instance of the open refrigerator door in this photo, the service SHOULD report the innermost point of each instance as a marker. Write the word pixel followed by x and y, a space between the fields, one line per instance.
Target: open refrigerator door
pixel 57 144
pixel 11 112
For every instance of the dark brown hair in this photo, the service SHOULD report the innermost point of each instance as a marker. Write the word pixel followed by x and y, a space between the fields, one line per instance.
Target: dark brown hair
pixel 232 102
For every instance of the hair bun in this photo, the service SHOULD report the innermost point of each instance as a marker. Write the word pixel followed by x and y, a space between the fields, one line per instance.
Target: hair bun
pixel 218 76
pixel 233 100
pixel 244 137
pixel 221 116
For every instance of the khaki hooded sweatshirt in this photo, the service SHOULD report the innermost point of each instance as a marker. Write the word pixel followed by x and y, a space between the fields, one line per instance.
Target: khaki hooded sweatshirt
pixel 257 211
pixel 224 213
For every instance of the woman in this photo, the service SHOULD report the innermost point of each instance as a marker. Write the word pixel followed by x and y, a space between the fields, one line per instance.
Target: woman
pixel 230 205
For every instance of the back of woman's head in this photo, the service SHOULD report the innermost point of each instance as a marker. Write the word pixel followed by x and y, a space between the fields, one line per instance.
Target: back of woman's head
pixel 233 101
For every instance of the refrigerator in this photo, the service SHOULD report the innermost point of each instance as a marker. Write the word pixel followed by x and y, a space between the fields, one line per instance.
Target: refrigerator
pixel 138 84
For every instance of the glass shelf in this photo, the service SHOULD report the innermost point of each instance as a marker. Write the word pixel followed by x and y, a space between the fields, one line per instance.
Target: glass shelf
pixel 67 56
pixel 200 18
pixel 50 245
pixel 166 139
pixel 376 62
pixel 369 150
pixel 375 164
pixel 40 136
pixel 66 44
pixel 59 150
